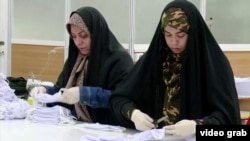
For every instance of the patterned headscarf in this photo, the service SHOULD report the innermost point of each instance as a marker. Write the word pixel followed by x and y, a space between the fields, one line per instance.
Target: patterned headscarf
pixel 176 18
pixel 75 19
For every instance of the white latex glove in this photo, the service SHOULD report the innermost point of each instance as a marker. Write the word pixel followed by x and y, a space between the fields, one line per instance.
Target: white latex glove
pixel 37 90
pixel 70 96
pixel 141 120
pixel 182 128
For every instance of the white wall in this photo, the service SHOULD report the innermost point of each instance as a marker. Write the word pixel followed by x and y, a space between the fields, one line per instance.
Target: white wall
pixel 38 19
pixel 231 20
pixel 43 21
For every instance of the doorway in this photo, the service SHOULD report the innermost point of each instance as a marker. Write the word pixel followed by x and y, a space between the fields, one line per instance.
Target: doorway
pixel 5 36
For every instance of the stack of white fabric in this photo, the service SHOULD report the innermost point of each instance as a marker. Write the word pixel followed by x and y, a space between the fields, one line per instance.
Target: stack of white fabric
pixel 154 134
pixel 50 115
pixel 39 113
pixel 11 107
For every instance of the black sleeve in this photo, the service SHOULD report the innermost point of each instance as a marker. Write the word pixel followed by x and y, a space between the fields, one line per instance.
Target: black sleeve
pixel 122 109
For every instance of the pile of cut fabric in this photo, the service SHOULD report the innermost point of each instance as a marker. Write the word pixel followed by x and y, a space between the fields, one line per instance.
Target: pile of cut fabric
pixel 39 113
pixel 11 107
pixel 50 115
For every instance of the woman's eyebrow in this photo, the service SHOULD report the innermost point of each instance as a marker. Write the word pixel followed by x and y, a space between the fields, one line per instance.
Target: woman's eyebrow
pixel 176 32
pixel 81 32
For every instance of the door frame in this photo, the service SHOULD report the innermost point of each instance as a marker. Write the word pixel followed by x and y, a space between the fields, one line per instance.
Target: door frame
pixel 5 36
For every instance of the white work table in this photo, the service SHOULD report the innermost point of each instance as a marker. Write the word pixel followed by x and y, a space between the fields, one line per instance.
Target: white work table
pixel 22 130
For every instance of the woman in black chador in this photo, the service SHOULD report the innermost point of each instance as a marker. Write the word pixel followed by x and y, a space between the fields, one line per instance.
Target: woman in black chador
pixel 184 75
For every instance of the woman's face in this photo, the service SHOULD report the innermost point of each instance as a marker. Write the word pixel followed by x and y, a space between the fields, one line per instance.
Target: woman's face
pixel 81 39
pixel 175 39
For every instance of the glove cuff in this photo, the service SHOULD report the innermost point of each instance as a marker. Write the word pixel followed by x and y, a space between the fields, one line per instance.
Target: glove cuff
pixel 130 112
pixel 133 113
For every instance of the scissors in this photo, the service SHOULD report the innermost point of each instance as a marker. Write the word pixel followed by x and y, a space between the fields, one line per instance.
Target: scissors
pixel 156 122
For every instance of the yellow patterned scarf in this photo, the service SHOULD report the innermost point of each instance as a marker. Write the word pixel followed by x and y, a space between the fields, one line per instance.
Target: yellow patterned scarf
pixel 171 77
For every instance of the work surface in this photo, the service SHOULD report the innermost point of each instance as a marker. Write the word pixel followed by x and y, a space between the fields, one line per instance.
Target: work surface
pixel 22 130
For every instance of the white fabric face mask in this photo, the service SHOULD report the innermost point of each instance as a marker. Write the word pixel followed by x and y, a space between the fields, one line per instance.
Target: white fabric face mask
pixel 50 115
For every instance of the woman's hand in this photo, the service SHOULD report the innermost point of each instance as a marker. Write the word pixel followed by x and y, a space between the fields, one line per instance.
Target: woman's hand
pixel 70 96
pixel 182 128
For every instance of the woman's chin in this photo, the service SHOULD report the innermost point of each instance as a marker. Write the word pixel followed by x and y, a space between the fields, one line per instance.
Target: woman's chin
pixel 84 53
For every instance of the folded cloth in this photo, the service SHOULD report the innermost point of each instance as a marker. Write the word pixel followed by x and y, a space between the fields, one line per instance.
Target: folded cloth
pixel 242 86
pixel 102 127
pixel 47 98
pixel 148 135
pixel 153 134
pixel 51 115
pixel 104 138
pixel 37 119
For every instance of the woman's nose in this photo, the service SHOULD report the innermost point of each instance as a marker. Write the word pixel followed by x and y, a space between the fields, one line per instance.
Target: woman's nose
pixel 174 41
pixel 78 41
